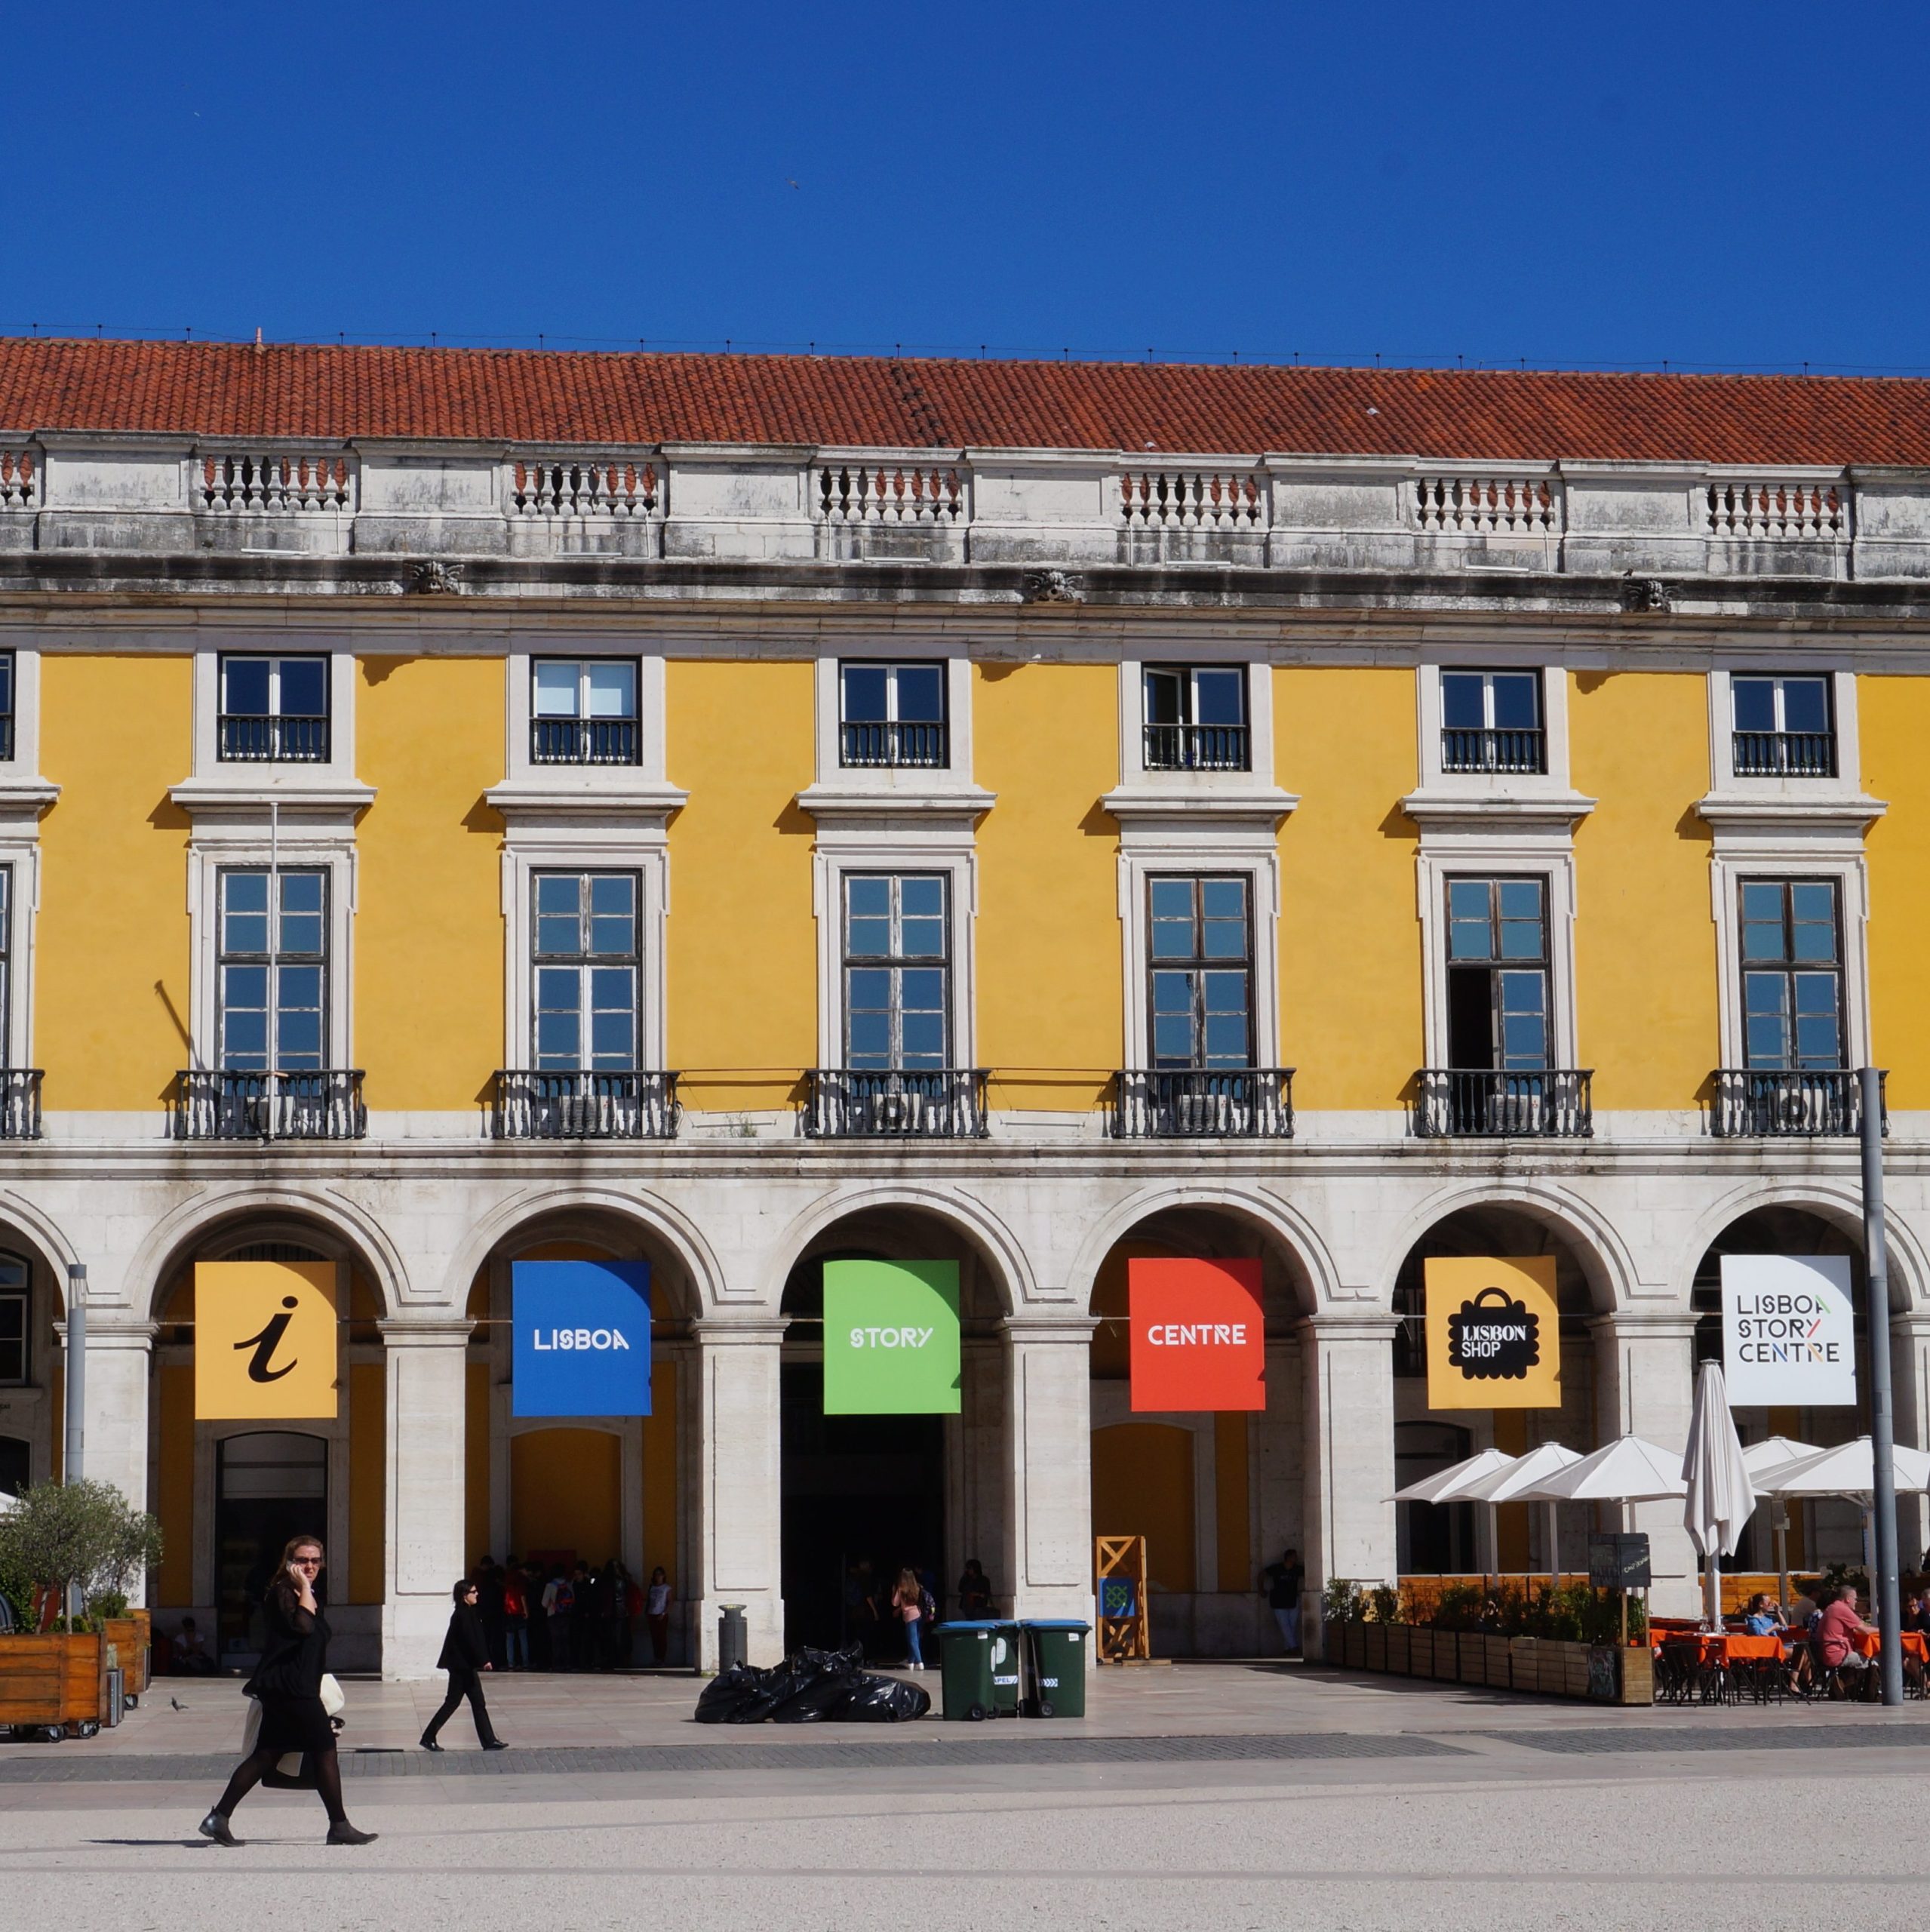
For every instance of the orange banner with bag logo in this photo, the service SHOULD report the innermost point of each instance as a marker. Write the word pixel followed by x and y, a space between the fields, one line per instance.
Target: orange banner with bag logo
pixel 265 1340
pixel 1494 1333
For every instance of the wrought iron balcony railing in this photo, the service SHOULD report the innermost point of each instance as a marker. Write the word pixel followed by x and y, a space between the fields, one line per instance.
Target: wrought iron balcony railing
pixel 251 740
pixel 626 1103
pixel 1204 1103
pixel 19 1103
pixel 1495 751
pixel 879 743
pixel 1770 1103
pixel 1550 1103
pixel 583 741
pixel 1197 748
pixel 1785 754
pixel 935 1103
pixel 223 1103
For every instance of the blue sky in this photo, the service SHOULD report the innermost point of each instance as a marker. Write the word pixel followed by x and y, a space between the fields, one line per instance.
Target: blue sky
pixel 1725 186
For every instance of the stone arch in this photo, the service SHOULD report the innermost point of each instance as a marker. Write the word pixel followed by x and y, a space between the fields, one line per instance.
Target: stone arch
pixel 42 1237
pixel 1598 1248
pixel 1839 1204
pixel 1009 1270
pixel 535 1207
pixel 338 1222
pixel 1316 1280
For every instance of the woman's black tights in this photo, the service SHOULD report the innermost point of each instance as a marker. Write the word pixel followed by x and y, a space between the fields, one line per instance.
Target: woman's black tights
pixel 253 1769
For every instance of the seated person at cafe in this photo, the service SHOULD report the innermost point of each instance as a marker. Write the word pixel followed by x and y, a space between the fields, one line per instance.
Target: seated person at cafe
pixel 1830 1639
pixel 191 1656
pixel 1762 1618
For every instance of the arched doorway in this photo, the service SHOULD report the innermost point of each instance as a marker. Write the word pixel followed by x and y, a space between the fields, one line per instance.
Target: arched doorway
pixel 864 1496
pixel 1218 1496
pixel 270 1485
pixel 30 1368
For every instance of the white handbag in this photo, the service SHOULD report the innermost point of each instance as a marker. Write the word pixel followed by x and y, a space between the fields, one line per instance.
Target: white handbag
pixel 334 1700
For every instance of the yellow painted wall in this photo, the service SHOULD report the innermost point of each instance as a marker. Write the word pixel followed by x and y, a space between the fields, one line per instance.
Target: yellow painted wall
pixel 1893 723
pixel 174 1485
pixel 428 924
pixel 475 1461
pixel 742 968
pixel 1142 1486
pixel 1645 944
pixel 368 1456
pixel 565 1492
pixel 111 982
pixel 660 1472
pixel 1233 1521
pixel 1349 938
pixel 1045 739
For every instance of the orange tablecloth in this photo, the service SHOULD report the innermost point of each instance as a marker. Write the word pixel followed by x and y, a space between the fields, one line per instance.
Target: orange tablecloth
pixel 1729 1648
pixel 1915 1644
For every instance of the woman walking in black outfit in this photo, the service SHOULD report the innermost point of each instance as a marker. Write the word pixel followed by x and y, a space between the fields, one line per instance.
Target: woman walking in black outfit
pixel 287 1682
pixel 465 1655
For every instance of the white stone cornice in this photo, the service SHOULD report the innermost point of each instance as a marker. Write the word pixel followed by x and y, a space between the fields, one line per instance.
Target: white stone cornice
pixel 759 1331
pixel 557 805
pixel 248 801
pixel 1147 807
pixel 853 809
pixel 1783 816
pixel 1515 813
pixel 428 1330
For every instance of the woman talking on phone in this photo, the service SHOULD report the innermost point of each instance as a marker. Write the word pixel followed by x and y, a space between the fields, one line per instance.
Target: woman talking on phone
pixel 287 1684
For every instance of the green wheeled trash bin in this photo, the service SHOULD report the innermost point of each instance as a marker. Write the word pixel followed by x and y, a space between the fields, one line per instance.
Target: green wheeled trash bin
pixel 1056 1650
pixel 965 1670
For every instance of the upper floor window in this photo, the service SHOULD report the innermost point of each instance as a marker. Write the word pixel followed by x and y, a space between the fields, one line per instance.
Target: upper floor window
pixel 893 714
pixel 15 1301
pixel 1199 958
pixel 1792 975
pixel 1490 721
pixel 6 705
pixel 1196 719
pixel 897 971
pixel 1497 1018
pixel 583 711
pixel 586 965
pixel 272 985
pixel 1784 727
pixel 274 711
pixel 6 963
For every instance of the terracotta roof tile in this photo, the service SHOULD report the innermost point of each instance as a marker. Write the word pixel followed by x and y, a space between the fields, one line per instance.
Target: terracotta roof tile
pixel 519 396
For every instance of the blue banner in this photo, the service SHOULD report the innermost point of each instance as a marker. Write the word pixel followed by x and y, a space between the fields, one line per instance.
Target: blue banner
pixel 582 1331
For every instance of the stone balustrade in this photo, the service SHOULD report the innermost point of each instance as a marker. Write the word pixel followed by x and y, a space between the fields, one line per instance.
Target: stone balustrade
pixel 171 496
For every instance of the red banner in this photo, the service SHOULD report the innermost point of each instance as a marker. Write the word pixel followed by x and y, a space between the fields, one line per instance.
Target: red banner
pixel 1199 1336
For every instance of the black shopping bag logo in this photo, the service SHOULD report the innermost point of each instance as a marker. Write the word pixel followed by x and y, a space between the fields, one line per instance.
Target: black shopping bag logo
pixel 1494 1337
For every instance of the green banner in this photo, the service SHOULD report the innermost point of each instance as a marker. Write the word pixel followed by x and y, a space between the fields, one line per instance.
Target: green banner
pixel 891 1338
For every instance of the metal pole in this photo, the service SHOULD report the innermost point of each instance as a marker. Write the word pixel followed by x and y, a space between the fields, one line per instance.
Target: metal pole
pixel 1882 1431
pixel 73 1464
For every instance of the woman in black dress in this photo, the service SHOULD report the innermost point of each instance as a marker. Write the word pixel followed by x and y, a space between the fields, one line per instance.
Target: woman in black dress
pixel 288 1682
pixel 465 1655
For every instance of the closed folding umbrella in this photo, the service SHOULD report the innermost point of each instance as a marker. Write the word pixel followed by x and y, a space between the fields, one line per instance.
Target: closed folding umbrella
pixel 1517 1484
pixel 1720 1494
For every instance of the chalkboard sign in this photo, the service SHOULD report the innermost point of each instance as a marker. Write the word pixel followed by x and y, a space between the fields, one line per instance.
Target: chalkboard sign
pixel 1619 1562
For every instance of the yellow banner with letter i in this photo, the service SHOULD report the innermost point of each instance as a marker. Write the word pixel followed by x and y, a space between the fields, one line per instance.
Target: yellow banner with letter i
pixel 265 1340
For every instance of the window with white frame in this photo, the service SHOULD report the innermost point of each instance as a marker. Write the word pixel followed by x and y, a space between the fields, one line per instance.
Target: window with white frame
pixel 7 702
pixel 273 710
pixel 1200 972
pixel 585 971
pixel 271 970
pixel 583 711
pixel 1793 1015
pixel 6 965
pixel 16 1302
pixel 1195 718
pixel 1492 721
pixel 892 714
pixel 1783 727
pixel 897 970
pixel 1497 974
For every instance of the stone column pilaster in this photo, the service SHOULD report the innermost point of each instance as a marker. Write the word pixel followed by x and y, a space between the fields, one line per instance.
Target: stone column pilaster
pixel 1909 1375
pixel 1645 1386
pixel 118 1356
pixel 1048 1469
pixel 1347 1376
pixel 424 1483
pixel 740 1509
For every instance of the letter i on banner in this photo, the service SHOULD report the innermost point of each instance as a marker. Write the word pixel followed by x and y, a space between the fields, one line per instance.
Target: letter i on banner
pixel 265 1340
pixel 1199 1333
pixel 582 1338
pixel 891 1338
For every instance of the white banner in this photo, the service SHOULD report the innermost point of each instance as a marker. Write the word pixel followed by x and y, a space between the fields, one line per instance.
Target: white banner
pixel 1789 1330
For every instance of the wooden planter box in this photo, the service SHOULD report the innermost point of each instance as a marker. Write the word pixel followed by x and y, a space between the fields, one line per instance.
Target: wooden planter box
pixel 1374 1646
pixel 1473 1658
pixel 1497 1662
pixel 1638 1675
pixel 54 1683
pixel 1524 1667
pixel 1400 1648
pixel 1354 1645
pixel 131 1636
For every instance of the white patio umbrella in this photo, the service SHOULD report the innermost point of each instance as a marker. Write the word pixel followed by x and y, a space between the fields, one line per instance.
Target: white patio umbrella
pixel 1848 1470
pixel 1720 1495
pixel 1517 1484
pixel 1627 1470
pixel 1771 1453
pixel 1449 1485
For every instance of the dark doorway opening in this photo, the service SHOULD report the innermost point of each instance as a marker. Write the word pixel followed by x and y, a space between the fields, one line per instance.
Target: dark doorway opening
pixel 15 1458
pixel 269 1486
pixel 863 1498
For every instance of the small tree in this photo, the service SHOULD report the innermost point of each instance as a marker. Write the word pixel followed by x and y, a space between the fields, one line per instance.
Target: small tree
pixel 85 1535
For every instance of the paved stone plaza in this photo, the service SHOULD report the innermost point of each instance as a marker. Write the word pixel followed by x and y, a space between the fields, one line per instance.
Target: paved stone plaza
pixel 1222 1796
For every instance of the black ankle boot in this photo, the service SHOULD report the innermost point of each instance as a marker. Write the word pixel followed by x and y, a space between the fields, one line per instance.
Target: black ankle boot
pixel 342 1832
pixel 429 1744
pixel 215 1826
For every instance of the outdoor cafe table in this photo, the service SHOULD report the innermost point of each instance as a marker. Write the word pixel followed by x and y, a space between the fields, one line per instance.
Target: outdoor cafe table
pixel 1719 1663
pixel 1916 1656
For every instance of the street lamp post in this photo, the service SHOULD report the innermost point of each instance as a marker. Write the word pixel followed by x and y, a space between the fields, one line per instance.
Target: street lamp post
pixel 1882 1428
pixel 73 1466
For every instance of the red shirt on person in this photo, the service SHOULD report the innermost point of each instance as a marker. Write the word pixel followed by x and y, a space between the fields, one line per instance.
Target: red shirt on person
pixel 1833 1630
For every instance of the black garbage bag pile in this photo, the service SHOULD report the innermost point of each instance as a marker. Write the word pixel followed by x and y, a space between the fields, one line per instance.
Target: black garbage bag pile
pixel 811 1686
